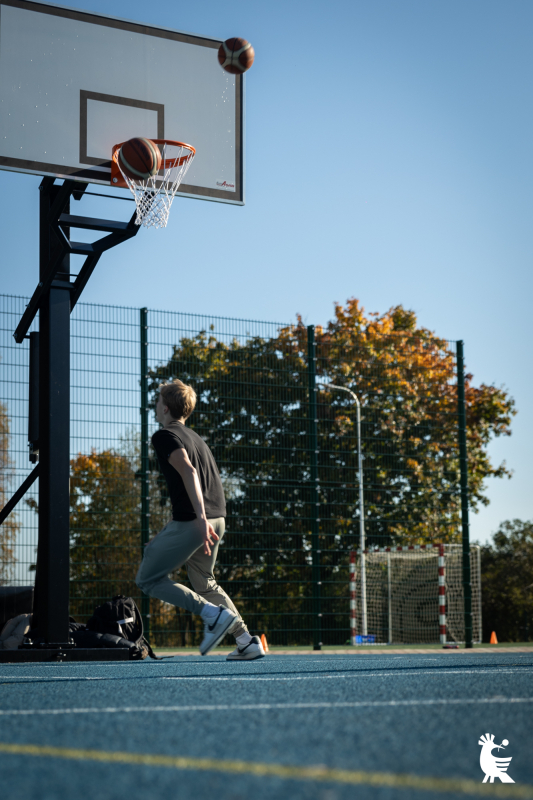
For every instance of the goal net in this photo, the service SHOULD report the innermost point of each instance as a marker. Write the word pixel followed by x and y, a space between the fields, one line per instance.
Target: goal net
pixel 402 595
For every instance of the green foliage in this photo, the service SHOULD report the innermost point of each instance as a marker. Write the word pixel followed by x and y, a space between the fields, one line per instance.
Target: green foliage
pixel 250 410
pixel 104 529
pixel 253 411
pixel 105 538
pixel 507 583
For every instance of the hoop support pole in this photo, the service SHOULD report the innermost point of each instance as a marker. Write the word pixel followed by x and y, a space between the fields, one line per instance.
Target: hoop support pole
pixel 54 299
pixel 19 494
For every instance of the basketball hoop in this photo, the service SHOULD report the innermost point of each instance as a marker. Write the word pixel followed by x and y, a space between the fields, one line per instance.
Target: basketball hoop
pixel 154 195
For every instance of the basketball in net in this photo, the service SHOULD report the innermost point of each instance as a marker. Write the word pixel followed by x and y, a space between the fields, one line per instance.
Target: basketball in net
pixel 236 55
pixel 139 158
pixel 153 170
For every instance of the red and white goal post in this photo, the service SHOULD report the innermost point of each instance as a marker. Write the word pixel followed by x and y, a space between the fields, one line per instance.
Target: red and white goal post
pixel 414 594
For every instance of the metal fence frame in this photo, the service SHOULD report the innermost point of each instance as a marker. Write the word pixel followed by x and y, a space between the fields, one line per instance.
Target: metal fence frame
pixel 118 355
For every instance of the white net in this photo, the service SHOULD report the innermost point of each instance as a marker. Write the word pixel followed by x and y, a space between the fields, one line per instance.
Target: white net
pixel 403 597
pixel 154 196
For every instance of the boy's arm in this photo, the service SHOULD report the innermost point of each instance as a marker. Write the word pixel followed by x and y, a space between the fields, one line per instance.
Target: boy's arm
pixel 182 464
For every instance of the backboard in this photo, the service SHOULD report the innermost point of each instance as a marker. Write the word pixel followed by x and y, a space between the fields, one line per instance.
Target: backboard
pixel 74 83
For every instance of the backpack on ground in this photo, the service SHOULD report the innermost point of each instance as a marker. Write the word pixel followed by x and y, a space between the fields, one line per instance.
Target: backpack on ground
pixel 120 617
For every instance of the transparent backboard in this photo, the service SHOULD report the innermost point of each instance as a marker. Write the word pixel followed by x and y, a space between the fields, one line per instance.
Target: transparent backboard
pixel 74 83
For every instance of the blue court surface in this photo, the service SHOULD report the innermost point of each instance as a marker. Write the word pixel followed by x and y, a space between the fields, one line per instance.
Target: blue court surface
pixel 324 727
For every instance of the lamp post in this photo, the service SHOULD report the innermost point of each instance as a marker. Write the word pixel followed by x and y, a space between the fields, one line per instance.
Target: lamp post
pixel 361 500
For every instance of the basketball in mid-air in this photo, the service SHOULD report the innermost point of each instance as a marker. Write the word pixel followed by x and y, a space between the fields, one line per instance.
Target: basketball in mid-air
pixel 236 55
pixel 139 158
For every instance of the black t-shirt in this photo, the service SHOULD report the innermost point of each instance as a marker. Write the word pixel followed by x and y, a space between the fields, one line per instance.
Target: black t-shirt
pixel 176 436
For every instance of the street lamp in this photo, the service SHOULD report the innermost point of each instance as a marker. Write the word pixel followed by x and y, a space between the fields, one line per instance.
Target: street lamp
pixel 361 500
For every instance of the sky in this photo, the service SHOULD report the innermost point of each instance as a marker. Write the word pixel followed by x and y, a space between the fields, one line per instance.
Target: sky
pixel 388 158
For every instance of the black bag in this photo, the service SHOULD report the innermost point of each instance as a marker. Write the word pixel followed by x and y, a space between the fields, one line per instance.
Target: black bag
pixel 90 639
pixel 120 617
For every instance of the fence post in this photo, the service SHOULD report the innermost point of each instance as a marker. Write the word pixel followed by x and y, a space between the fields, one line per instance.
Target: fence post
pixel 389 593
pixel 145 489
pixel 442 595
pixel 313 453
pixel 467 583
pixel 353 599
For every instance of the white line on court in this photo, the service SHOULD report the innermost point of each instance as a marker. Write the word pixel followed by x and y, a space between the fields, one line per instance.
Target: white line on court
pixel 357 675
pixel 354 675
pixel 206 662
pixel 268 706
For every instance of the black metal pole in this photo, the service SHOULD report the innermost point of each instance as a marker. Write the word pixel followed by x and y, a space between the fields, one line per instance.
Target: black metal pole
pixel 33 406
pixel 19 494
pixel 54 298
pixel 145 489
pixel 51 603
pixel 315 501
pixel 461 409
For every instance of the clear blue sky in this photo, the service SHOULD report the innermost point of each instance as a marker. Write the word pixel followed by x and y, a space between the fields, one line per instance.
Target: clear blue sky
pixel 389 158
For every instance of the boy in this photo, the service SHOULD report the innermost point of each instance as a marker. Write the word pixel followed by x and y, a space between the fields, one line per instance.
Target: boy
pixel 193 535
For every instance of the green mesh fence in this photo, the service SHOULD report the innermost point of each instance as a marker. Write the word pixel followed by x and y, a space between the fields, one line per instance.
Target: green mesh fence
pixel 18 534
pixel 285 442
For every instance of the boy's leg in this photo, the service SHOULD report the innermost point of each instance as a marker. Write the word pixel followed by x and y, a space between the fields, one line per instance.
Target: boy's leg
pixel 200 569
pixel 168 551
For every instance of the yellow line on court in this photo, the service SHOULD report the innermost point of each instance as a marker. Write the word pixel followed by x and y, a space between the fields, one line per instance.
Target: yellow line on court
pixel 323 774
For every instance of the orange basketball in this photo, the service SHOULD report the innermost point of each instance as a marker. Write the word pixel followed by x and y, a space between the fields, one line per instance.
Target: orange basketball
pixel 236 55
pixel 139 158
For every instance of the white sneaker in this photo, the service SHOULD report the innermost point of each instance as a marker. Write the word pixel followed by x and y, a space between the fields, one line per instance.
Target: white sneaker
pixel 215 631
pixel 249 652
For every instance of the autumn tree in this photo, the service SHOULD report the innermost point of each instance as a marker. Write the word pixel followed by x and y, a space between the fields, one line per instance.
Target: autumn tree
pixel 104 529
pixel 507 583
pixel 105 536
pixel 406 381
pixel 253 411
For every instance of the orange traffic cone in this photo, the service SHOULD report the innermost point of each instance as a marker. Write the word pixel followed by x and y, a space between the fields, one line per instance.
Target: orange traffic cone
pixel 264 642
pixel 493 638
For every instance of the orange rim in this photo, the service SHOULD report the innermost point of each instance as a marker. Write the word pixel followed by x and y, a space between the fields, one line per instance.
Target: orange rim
pixel 166 163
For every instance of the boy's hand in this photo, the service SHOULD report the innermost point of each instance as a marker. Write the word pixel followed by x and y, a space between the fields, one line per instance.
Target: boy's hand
pixel 209 535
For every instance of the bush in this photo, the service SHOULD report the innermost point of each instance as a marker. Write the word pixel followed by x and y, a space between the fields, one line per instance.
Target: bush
pixel 507 583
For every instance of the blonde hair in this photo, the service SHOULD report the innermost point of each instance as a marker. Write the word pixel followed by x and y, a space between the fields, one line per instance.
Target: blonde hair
pixel 180 398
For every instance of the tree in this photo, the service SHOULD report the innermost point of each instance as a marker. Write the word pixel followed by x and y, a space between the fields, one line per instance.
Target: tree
pixel 105 535
pixel 405 377
pixel 253 411
pixel 507 583
pixel 10 526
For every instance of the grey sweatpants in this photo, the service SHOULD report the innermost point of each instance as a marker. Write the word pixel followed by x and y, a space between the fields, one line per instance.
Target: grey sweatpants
pixel 177 544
